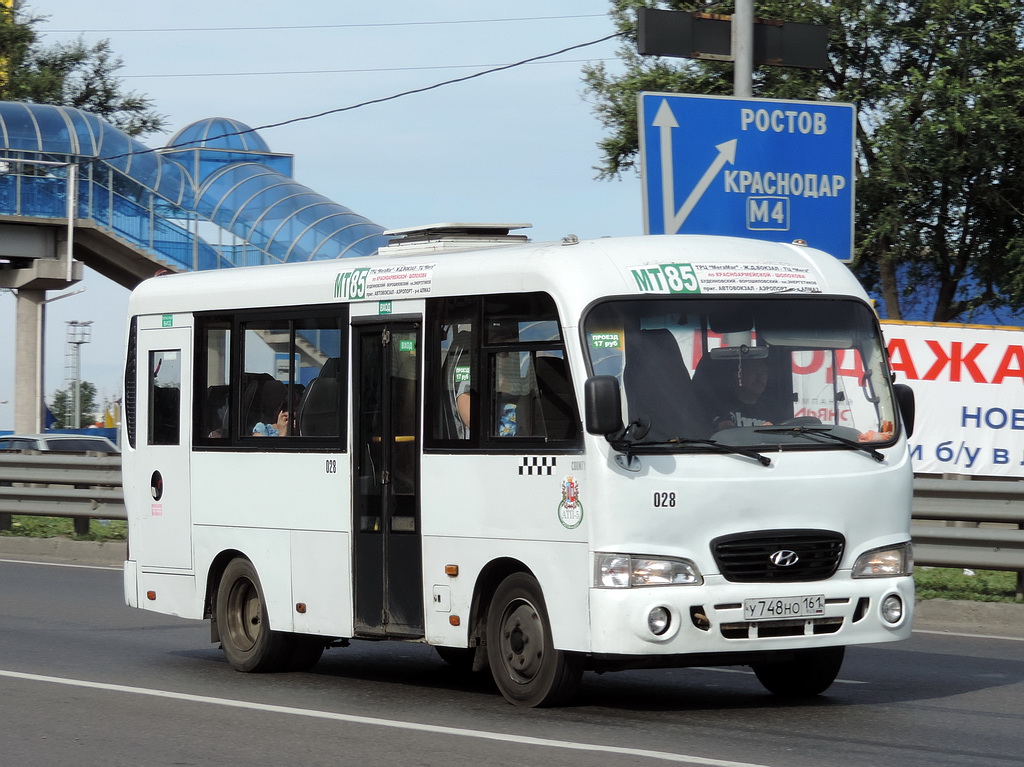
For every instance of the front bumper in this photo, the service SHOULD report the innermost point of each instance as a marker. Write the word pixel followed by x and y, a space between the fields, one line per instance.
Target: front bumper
pixel 710 618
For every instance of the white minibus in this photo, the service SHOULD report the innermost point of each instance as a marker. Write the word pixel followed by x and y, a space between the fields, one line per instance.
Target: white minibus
pixel 540 458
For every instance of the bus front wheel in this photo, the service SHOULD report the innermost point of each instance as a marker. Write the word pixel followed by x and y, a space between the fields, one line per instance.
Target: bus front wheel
pixel 527 668
pixel 808 673
pixel 244 628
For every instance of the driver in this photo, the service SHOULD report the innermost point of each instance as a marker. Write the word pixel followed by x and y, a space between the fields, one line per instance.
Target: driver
pixel 743 402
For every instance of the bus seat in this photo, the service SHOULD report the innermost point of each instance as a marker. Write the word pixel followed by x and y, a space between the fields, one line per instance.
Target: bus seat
pixel 215 412
pixel 318 409
pixel 331 368
pixel 658 386
pixel 712 379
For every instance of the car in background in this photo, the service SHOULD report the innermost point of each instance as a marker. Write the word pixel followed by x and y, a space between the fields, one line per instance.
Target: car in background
pixel 55 442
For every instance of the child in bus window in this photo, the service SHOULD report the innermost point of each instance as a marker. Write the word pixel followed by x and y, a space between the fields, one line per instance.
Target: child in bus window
pixel 277 429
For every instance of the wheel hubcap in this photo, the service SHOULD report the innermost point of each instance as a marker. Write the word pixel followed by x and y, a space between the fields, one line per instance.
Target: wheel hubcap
pixel 245 615
pixel 522 637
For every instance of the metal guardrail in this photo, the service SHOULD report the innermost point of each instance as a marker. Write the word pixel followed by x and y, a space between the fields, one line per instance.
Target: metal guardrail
pixel 976 524
pixel 89 487
pixel 51 484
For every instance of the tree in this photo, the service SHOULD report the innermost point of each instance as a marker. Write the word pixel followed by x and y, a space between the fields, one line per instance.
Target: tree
pixel 68 74
pixel 940 135
pixel 63 407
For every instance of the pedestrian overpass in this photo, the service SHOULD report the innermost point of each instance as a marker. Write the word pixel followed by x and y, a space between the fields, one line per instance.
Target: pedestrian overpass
pixel 75 190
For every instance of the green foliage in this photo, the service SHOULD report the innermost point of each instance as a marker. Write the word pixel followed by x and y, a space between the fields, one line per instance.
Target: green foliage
pixel 68 74
pixel 63 408
pixel 52 527
pixel 949 583
pixel 940 136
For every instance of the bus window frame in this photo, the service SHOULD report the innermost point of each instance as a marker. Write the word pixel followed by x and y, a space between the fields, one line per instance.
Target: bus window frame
pixel 483 352
pixel 237 320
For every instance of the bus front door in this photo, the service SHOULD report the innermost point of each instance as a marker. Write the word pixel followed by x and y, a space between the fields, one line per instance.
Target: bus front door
pixel 386 524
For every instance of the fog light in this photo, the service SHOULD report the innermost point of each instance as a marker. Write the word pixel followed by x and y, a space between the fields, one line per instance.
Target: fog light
pixel 659 620
pixel 892 609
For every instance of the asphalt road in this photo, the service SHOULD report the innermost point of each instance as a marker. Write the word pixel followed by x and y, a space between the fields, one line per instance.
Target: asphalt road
pixel 85 680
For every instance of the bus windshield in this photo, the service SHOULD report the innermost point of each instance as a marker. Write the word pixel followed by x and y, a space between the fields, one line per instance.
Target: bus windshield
pixel 746 372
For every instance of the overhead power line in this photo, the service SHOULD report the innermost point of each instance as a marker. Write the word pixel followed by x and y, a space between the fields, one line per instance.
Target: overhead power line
pixel 320 26
pixel 342 71
pixel 380 100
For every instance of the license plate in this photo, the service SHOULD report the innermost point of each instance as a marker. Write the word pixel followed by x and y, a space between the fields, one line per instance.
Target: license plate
pixel 783 607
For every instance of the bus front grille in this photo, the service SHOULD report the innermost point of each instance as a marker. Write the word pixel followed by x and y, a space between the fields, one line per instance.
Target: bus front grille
pixel 778 556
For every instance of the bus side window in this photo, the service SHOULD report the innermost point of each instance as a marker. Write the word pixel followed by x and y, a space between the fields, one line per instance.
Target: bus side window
pixel 165 397
pixel 213 354
pixel 515 394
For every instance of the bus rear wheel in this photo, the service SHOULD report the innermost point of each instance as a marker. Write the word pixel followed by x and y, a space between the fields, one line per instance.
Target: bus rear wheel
pixel 527 668
pixel 244 628
pixel 808 673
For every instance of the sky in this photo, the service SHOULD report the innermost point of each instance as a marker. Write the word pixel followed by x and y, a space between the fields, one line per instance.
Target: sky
pixel 518 146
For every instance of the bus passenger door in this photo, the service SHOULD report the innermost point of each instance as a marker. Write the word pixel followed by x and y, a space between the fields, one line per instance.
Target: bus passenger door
pixel 386 525
pixel 164 482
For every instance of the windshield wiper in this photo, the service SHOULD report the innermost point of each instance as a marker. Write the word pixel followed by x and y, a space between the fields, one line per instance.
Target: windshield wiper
pixel 627 446
pixel 823 431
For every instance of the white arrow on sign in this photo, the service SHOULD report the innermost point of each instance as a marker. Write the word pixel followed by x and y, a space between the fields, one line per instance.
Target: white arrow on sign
pixel 665 121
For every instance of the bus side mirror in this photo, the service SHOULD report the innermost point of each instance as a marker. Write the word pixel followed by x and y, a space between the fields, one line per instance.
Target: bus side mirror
pixel 603 405
pixel 905 402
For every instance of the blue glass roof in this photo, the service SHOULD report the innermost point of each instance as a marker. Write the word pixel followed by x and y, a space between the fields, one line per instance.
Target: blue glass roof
pixel 219 133
pixel 217 169
pixel 46 129
pixel 280 216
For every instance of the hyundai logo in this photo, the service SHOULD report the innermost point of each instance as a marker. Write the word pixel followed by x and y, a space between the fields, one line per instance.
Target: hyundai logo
pixel 784 558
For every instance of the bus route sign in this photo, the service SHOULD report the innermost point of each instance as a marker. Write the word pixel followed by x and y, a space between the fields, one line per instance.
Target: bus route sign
pixel 761 168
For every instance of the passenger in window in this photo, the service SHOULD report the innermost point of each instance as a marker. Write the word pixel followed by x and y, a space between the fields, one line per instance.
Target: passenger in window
pixel 462 403
pixel 743 401
pixel 277 429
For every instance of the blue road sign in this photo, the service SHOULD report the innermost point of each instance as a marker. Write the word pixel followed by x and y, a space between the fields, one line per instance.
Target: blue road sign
pixel 762 168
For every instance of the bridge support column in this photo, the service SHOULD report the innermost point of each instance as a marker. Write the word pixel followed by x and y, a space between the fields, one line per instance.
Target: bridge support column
pixel 30 278
pixel 28 362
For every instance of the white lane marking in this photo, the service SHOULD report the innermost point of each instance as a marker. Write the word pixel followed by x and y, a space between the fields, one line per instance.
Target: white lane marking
pixel 967 636
pixel 59 564
pixel 519 740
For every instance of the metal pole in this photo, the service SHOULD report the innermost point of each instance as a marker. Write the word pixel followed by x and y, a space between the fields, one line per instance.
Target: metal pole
pixel 72 212
pixel 743 49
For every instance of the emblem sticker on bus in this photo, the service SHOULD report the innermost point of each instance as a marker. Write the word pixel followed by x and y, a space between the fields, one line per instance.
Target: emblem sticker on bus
pixel 570 510
pixel 740 277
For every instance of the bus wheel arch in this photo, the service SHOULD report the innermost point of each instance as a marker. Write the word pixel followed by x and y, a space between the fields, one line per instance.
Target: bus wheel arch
pixel 249 643
pixel 213 578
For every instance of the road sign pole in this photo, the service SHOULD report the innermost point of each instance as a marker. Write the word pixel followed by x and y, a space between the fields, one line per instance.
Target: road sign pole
pixel 743 49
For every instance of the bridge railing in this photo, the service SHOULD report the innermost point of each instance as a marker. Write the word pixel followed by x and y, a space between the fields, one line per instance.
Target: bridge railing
pixel 113 203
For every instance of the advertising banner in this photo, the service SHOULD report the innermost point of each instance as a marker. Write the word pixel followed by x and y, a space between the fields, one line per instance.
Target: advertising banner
pixel 968 381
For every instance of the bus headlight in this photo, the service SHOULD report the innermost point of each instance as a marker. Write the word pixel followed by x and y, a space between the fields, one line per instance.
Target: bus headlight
pixel 888 562
pixel 892 609
pixel 622 571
